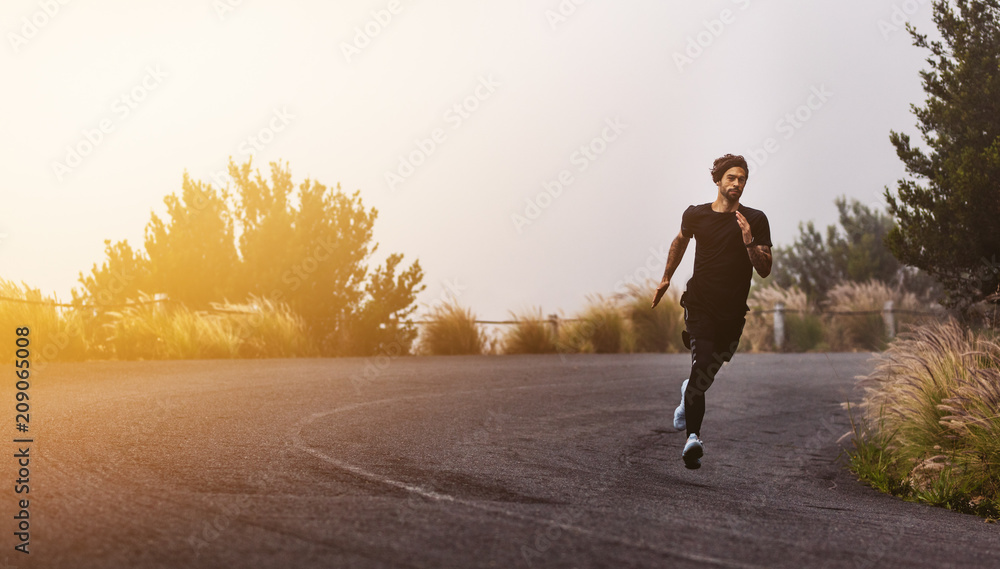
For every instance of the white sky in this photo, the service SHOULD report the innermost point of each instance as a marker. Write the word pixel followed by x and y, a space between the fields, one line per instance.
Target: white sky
pixel 555 84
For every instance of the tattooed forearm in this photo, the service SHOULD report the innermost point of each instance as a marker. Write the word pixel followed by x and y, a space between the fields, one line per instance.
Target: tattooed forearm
pixel 674 256
pixel 760 257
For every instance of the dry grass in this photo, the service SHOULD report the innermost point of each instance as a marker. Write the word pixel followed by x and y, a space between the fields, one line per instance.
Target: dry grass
pixel 600 329
pixel 258 329
pixel 532 334
pixel 758 334
pixel 451 330
pixel 654 330
pixel 55 334
pixel 625 324
pixel 851 318
pixel 267 329
pixel 933 402
pixel 866 332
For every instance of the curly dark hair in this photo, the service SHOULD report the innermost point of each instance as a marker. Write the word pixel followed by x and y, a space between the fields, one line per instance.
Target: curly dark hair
pixel 724 163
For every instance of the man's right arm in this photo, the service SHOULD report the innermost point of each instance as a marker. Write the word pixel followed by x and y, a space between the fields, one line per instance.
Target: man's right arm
pixel 674 256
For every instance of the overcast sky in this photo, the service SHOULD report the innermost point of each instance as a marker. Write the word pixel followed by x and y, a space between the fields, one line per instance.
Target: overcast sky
pixel 451 117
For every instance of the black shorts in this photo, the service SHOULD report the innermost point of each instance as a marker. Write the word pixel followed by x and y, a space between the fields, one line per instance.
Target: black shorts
pixel 724 334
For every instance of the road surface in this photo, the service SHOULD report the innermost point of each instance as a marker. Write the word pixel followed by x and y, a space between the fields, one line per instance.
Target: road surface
pixel 505 461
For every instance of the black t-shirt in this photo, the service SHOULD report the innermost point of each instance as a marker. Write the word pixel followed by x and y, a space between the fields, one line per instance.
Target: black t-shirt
pixel 722 269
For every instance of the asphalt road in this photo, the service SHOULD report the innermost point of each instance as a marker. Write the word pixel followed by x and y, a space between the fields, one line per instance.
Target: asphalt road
pixel 534 461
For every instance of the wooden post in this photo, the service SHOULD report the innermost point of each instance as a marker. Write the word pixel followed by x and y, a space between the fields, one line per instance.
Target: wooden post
pixel 554 320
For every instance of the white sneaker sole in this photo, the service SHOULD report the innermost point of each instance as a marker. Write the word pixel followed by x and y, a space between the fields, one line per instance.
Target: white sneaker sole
pixel 692 454
pixel 680 421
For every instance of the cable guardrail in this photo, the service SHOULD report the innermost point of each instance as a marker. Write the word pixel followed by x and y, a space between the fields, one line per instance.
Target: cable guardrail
pixel 492 322
pixel 71 305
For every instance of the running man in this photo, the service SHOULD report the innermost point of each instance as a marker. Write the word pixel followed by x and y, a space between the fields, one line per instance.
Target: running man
pixel 732 240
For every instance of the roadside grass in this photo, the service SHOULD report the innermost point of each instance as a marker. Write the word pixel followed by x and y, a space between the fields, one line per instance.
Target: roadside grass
pixel 805 333
pixel 258 329
pixel 867 332
pixel 531 334
pixel 654 330
pixel 54 333
pixel 601 328
pixel 267 329
pixel 451 330
pixel 804 330
pixel 929 423
pixel 850 319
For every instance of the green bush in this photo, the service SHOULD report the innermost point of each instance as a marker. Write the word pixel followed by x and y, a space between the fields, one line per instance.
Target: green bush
pixel 803 332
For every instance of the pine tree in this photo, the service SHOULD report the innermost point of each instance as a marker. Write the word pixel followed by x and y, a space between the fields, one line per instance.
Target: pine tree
pixel 949 225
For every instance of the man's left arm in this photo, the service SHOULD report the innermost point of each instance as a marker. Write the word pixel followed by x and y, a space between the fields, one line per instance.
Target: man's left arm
pixel 760 255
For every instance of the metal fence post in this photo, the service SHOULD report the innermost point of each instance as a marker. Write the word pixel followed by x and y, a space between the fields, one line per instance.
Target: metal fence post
pixel 779 325
pixel 890 320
